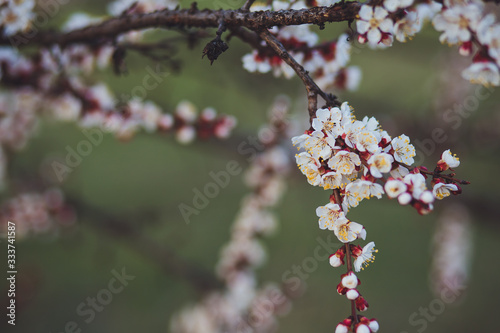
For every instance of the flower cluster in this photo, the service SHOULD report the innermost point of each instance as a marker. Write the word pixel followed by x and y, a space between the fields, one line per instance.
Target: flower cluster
pixel 186 123
pixel 353 156
pixel 349 283
pixel 358 160
pixel 90 105
pixel 464 23
pixel 37 213
pixel 15 16
pixel 235 309
pixel 326 62
pixel 400 19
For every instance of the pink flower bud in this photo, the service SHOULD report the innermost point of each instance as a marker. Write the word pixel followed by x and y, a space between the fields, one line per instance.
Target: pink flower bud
pixel 361 304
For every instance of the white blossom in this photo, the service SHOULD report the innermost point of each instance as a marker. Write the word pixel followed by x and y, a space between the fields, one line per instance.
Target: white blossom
pixel 344 162
pixel 309 166
pixel 403 150
pixel 394 188
pixel 347 231
pixel 455 22
pixel 483 72
pixel 442 190
pixel 380 163
pixel 407 27
pixel 373 21
pixel 328 215
pixel 329 121
pixel 451 160
pixel 365 257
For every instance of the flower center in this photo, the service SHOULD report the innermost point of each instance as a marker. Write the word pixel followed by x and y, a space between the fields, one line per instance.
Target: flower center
pixel 463 23
pixel 344 231
pixel 373 23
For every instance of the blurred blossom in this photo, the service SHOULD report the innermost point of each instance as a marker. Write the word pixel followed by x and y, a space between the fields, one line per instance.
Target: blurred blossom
pixel 452 250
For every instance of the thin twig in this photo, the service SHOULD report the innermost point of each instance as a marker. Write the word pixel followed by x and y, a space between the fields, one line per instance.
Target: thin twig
pixel 349 269
pixel 437 175
pixel 311 87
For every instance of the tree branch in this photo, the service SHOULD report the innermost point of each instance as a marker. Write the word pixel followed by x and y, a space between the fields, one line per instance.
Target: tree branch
pixel 186 18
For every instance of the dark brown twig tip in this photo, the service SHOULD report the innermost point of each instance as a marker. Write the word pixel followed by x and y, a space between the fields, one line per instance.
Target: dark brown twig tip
pixel 214 49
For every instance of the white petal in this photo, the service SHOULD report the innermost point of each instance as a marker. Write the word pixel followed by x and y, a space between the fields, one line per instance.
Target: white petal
pixel 366 12
pixel 380 13
pixel 362 26
pixel 387 26
pixel 374 36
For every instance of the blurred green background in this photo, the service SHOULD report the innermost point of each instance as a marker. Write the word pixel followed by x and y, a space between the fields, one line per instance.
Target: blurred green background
pixel 144 180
